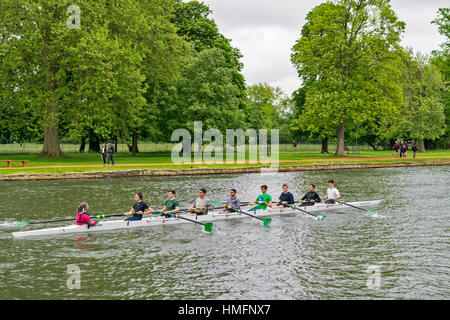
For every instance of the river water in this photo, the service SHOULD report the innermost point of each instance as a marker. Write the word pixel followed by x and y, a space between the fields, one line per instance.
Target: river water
pixel 401 253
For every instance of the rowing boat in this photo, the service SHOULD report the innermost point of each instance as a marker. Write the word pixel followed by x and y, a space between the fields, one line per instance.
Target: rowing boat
pixel 158 221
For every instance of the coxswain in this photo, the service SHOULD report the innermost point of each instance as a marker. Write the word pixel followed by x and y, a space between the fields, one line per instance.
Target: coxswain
pixel 83 215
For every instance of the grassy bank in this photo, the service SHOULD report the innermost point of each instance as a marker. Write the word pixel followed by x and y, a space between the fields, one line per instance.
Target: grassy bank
pixel 88 162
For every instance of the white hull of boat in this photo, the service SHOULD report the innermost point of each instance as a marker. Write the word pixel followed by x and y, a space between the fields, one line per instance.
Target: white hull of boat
pixel 157 221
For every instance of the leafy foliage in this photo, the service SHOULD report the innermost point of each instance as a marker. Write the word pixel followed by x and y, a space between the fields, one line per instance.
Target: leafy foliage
pixel 350 50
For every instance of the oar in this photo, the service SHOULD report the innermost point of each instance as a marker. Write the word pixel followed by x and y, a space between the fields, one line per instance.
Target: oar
pixel 41 222
pixel 63 220
pixel 266 221
pixel 319 218
pixel 369 212
pixel 207 226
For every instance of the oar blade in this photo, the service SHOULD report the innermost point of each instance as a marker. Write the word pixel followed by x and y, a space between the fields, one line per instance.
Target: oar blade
pixel 266 222
pixel 321 218
pixel 208 227
pixel 371 213
pixel 19 224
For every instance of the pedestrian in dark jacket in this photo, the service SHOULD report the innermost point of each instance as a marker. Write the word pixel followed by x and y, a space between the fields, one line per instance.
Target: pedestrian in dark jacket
pixel 414 148
pixel 110 153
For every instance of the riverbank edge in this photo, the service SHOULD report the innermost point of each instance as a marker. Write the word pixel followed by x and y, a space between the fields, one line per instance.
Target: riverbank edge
pixel 213 171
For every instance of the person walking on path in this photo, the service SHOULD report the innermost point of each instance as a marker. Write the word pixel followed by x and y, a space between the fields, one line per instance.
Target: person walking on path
pixel 403 149
pixel 104 150
pixel 396 147
pixel 414 148
pixel 110 153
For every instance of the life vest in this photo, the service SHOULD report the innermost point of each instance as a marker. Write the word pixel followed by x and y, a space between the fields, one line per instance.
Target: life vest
pixel 80 214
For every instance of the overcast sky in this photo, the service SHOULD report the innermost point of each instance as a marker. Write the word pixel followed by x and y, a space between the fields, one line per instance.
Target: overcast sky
pixel 266 30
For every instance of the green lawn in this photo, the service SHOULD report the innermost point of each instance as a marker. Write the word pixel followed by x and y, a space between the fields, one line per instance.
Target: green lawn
pixel 76 159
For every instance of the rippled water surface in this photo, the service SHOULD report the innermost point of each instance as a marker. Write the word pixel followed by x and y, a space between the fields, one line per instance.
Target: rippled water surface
pixel 295 258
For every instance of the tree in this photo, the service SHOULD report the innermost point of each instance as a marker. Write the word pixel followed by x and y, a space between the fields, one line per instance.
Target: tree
pixel 206 91
pixel 422 114
pixel 264 106
pixel 108 87
pixel 441 59
pixel 297 127
pixel 350 49
pixel 105 69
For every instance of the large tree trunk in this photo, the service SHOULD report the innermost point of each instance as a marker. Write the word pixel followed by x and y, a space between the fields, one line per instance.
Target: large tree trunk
pixel 83 145
pixel 421 146
pixel 134 144
pixel 94 142
pixel 51 143
pixel 324 145
pixel 51 147
pixel 340 145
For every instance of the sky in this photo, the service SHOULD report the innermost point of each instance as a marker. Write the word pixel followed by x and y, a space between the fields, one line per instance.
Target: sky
pixel 266 30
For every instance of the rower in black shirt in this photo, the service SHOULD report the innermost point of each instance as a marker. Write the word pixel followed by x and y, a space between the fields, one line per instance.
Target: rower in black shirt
pixel 286 199
pixel 310 198
pixel 139 209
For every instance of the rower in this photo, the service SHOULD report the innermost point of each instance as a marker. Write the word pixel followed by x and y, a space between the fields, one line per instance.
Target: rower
pixel 264 200
pixel 311 197
pixel 286 198
pixel 171 205
pixel 332 193
pixel 201 205
pixel 233 204
pixel 139 209
pixel 83 215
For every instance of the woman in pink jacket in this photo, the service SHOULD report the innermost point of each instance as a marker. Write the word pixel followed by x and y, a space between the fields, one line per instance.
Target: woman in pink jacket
pixel 83 215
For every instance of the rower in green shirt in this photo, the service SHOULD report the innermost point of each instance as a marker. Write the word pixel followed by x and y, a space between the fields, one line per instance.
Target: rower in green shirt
pixel 264 200
pixel 171 205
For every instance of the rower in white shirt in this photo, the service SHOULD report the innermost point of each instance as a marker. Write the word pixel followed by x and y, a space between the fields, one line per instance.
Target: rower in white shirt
pixel 332 193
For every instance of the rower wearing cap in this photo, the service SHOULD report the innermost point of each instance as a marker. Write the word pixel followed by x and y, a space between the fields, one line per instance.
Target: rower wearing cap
pixel 332 193
pixel 171 205
pixel 311 197
pixel 233 204
pixel 139 209
pixel 286 198
pixel 264 200
pixel 202 204
pixel 83 215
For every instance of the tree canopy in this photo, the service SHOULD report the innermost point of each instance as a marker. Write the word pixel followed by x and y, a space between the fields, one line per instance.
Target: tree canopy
pixel 349 48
